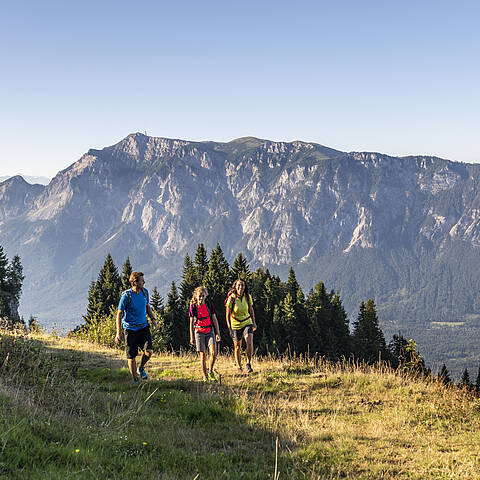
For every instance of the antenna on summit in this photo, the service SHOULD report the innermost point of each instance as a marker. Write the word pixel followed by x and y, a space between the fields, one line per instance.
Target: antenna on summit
pixel 146 133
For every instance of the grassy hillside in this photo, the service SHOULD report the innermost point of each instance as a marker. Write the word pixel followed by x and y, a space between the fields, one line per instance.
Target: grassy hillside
pixel 68 410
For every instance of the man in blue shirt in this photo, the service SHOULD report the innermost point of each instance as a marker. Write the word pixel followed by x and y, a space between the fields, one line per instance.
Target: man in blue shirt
pixel 132 314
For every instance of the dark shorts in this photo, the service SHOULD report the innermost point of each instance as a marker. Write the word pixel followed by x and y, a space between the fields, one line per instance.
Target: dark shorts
pixel 204 340
pixel 135 339
pixel 244 332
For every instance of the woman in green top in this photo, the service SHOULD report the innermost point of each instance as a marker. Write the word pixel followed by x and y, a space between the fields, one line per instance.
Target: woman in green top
pixel 241 321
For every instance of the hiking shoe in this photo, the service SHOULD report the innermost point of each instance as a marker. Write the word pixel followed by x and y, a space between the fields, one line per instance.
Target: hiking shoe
pixel 249 368
pixel 143 374
pixel 136 381
pixel 211 376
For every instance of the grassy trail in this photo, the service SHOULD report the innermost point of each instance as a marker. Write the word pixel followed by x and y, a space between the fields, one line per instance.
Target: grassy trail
pixel 68 410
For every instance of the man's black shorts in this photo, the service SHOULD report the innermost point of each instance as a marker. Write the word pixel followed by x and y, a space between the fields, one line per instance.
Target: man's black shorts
pixel 135 339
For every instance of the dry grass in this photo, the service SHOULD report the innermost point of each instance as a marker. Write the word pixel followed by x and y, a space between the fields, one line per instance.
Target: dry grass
pixel 331 420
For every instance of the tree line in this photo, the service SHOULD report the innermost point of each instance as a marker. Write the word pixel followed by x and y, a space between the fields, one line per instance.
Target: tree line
pixel 288 319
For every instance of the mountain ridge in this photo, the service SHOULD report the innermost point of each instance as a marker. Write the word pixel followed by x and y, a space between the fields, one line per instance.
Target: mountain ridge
pixel 367 224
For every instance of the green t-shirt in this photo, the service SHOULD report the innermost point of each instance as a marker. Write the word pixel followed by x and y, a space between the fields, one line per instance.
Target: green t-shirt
pixel 239 314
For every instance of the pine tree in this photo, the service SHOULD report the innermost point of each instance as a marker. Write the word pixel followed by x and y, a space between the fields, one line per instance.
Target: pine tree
pixel 477 381
pixel 368 338
pixel 444 375
pixel 240 268
pixel 284 324
pixel 298 336
pixel 92 304
pixel 176 322
pixel 108 287
pixel 15 278
pixel 201 264
pixel 319 308
pixel 218 275
pixel 189 281
pixel 465 380
pixel 217 283
pixel 3 269
pixel 156 302
pixel 126 272
pixel 398 350
pixel 292 285
pixel 340 327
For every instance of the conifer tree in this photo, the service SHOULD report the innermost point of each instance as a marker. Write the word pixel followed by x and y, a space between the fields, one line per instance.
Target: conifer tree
pixel 284 324
pixel 217 282
pixel 201 264
pixel 398 350
pixel 189 281
pixel 15 278
pixel 319 307
pixel 175 322
pixel 126 272
pixel 477 381
pixel 92 304
pixel 444 375
pixel 257 286
pixel 368 338
pixel 340 327
pixel 217 279
pixel 292 285
pixel 3 269
pixel 156 302
pixel 240 268
pixel 465 380
pixel 298 337
pixel 108 287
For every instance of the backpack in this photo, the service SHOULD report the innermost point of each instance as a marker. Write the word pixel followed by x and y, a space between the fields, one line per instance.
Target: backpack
pixel 208 304
pixel 128 294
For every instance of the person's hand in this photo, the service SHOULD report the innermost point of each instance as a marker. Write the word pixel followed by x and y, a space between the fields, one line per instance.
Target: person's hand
pixel 231 332
pixel 254 326
pixel 217 338
pixel 191 341
pixel 118 338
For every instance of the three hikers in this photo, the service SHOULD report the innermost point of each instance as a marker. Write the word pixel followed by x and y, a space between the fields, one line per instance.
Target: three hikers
pixel 203 319
pixel 133 309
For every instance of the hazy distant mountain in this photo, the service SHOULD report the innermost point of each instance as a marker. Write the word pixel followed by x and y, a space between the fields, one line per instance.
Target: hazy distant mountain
pixel 405 231
pixel 28 178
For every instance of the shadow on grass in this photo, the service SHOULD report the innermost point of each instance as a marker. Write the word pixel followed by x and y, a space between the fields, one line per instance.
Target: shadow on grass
pixel 91 422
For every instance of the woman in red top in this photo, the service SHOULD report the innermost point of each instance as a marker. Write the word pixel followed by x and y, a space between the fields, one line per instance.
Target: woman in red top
pixel 202 320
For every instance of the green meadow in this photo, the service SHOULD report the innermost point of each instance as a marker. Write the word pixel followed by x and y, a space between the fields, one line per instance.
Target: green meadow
pixel 69 410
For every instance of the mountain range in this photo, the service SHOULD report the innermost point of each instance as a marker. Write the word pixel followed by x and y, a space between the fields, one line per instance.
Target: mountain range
pixel 28 178
pixel 402 230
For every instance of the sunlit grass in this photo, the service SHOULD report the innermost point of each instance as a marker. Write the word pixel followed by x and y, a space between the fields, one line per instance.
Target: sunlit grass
pixel 69 410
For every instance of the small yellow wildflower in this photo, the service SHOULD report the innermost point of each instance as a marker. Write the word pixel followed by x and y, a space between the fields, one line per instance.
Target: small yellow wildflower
pixel 77 450
pixel 145 443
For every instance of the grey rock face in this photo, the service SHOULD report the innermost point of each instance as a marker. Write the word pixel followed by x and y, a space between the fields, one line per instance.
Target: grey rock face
pixel 367 224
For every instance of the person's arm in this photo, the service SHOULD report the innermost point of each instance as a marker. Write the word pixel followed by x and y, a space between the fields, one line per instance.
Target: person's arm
pixel 152 316
pixel 217 329
pixel 192 323
pixel 119 335
pixel 227 316
pixel 252 315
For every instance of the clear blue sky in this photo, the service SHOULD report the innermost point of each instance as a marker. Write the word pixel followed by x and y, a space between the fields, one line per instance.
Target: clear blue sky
pixel 396 77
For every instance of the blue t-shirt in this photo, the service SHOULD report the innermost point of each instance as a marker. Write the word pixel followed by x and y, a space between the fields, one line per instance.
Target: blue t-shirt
pixel 134 311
